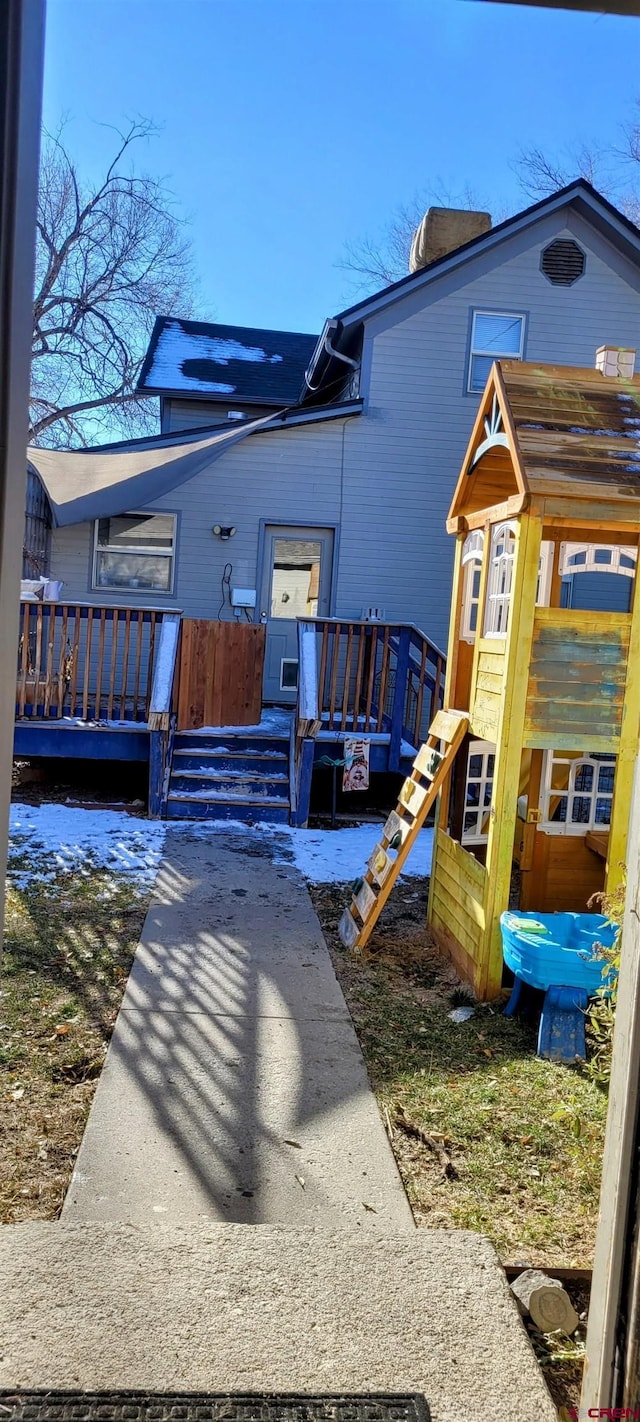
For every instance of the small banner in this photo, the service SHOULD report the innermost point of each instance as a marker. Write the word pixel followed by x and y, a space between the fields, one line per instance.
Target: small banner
pixel 356 764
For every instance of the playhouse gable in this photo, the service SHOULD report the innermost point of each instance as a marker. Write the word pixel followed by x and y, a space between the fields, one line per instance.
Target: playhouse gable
pixel 492 477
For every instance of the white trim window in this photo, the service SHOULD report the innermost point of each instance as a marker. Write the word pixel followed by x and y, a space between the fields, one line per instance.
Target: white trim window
pixel 500 580
pixel 495 335
pixel 134 552
pixel 597 558
pixel 577 792
pixel 472 565
pixel 478 792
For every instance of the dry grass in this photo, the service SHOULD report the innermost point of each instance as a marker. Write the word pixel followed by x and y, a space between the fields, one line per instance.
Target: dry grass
pixel 68 949
pixel 525 1135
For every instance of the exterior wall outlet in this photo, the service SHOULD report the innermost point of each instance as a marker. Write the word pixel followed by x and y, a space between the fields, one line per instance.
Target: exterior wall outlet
pixel 243 597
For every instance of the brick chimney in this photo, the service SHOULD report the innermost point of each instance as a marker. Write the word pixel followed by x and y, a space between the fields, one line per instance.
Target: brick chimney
pixel 616 360
pixel 443 230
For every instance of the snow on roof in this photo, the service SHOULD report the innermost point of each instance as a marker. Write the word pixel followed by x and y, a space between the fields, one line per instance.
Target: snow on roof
pixel 194 357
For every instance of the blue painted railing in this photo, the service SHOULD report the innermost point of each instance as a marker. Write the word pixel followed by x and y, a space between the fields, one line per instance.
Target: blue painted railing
pixel 370 678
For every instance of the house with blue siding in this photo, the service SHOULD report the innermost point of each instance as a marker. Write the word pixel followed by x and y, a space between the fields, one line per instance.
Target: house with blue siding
pixel 298 477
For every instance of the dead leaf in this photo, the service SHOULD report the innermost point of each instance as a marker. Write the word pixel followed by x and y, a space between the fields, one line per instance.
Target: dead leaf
pixel 295 1144
pixel 62 1029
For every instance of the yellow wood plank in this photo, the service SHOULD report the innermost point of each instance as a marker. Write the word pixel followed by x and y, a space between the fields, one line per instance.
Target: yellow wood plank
pixel 492 661
pixel 413 795
pixel 427 761
pixel 427 799
pixel 472 870
pixel 489 681
pixel 502 820
pixel 365 900
pixel 445 725
pixel 450 889
pixel 379 865
pixel 627 754
pixel 395 824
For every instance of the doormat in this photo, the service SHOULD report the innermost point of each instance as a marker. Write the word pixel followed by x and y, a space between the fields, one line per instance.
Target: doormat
pixel 29 1406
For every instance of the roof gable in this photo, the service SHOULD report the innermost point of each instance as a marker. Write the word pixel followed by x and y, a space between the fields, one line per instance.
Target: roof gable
pixel 580 194
pixel 199 359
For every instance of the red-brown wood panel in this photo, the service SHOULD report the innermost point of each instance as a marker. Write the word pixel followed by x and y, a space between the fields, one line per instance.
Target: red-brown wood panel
pixel 221 666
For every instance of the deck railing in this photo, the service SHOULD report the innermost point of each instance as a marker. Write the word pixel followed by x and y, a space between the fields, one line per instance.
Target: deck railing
pixel 372 676
pixel 367 677
pixel 93 663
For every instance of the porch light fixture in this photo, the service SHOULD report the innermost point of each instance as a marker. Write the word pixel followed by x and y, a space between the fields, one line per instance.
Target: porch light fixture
pixel 224 532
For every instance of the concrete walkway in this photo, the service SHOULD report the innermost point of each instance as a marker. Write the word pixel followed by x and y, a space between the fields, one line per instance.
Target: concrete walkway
pixel 235 1093
pixel 234 1087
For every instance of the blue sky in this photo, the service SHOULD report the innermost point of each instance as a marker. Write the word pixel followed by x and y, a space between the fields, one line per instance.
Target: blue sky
pixel 289 127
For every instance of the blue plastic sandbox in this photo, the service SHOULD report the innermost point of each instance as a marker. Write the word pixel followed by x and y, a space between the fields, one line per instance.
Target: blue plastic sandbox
pixel 563 955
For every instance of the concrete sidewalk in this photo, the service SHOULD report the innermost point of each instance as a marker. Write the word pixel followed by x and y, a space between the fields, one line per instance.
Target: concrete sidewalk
pixel 223 1308
pixel 234 1087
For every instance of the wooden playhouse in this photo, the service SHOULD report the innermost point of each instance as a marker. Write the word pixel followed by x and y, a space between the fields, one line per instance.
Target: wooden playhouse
pixel 550 680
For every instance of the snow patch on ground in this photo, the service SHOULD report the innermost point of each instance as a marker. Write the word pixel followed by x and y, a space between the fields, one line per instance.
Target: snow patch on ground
pixel 60 838
pixel 338 856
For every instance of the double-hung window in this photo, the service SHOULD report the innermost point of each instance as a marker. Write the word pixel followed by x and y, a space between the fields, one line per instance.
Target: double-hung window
pixel 494 336
pixel 135 551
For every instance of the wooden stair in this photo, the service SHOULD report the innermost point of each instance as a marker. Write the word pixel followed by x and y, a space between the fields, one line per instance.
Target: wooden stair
pixel 431 767
pixel 229 776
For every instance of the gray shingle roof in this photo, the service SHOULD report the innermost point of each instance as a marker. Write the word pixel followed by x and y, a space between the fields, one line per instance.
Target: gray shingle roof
pixel 238 363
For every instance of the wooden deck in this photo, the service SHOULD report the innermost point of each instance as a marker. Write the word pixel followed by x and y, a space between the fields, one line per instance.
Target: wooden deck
pixel 117 683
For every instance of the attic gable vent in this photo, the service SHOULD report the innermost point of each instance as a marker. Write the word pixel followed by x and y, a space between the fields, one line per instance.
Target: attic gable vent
pixel 563 262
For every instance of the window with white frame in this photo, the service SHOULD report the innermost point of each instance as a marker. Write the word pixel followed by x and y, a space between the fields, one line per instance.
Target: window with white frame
pixel 472 566
pixel 577 792
pixel 597 558
pixel 478 792
pixel 500 580
pixel 135 551
pixel 494 335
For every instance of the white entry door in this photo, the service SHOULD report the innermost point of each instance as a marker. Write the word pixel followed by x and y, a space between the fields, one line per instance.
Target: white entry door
pixel 296 582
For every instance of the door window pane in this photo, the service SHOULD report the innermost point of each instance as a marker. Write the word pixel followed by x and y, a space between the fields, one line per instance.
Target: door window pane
pixel 295 577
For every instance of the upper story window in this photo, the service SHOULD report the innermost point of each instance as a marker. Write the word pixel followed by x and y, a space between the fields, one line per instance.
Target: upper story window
pixel 494 335
pixel 472 565
pixel 135 551
pixel 502 555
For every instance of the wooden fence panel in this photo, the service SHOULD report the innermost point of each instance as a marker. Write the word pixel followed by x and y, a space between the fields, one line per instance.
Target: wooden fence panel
pixel 221 667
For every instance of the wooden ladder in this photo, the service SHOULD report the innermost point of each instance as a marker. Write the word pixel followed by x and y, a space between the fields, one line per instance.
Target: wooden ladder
pixel 430 770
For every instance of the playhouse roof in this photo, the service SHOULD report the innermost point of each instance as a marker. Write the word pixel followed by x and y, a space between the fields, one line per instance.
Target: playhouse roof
pixel 550 430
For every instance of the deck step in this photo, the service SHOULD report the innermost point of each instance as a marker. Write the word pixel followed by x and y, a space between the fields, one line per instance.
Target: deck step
pixel 246 809
pixel 230 762
pixel 230 775
pixel 236 743
pixel 239 782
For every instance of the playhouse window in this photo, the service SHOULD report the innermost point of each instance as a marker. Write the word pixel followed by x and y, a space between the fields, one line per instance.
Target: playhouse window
pixel 472 564
pixel 135 551
pixel 493 335
pixel 503 547
pixel 577 792
pixel 478 791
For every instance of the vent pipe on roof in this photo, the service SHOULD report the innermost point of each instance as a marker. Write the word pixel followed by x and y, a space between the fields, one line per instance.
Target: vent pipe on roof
pixel 443 230
pixel 616 360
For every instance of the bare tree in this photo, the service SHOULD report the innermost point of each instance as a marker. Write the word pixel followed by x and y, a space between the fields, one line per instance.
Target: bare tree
pixel 614 169
pixel 110 257
pixel 377 260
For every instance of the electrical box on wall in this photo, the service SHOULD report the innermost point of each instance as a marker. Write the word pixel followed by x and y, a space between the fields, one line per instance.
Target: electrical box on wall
pixel 243 597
